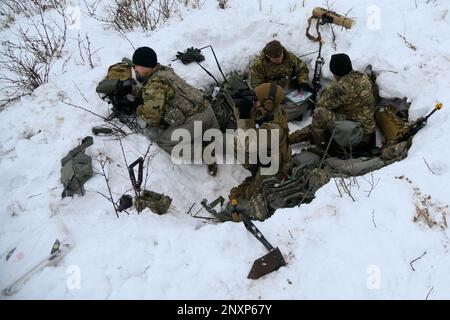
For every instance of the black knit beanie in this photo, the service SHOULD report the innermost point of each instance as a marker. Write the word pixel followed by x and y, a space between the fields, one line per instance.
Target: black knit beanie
pixel 340 64
pixel 145 57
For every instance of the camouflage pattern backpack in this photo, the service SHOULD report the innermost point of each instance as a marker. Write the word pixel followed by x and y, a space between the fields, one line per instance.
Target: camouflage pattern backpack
pixel 121 70
pixel 222 102
pixel 76 169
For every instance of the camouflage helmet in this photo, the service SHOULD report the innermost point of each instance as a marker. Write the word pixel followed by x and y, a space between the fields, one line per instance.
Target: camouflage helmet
pixel 270 95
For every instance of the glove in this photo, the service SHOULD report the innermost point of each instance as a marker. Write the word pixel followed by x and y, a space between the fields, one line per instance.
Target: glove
pixel 245 108
pixel 244 102
pixel 305 87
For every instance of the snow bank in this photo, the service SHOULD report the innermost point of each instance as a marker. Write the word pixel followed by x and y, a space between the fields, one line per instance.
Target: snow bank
pixel 334 247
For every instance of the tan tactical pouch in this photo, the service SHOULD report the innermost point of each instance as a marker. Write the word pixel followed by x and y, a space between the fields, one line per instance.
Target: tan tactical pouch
pixel 392 126
pixel 119 71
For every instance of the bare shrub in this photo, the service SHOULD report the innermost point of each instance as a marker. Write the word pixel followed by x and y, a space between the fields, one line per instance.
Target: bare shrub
pixel 128 15
pixel 85 50
pixel 26 62
pixel 9 9
pixel 222 3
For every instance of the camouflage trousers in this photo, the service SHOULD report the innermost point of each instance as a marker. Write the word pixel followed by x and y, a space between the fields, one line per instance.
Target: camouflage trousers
pixel 294 110
pixel 163 138
pixel 320 129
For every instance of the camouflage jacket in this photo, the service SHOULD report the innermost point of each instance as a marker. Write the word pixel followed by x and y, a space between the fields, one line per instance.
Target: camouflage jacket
pixel 277 119
pixel 168 100
pixel 351 98
pixel 291 72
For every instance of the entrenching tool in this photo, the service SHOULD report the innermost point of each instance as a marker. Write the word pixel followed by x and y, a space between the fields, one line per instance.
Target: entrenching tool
pixel 136 183
pixel 126 201
pixel 268 263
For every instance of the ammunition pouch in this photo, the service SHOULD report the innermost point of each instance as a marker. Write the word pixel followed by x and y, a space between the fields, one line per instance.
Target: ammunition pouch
pixel 174 117
pixel 156 202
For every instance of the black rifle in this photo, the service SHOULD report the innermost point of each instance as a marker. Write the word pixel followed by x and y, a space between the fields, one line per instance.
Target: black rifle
pixel 120 99
pixel 316 79
pixel 420 123
pixel 119 94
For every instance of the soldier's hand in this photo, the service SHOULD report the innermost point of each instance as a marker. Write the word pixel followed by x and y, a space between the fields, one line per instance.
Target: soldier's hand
pixel 244 101
pixel 245 107
pixel 305 87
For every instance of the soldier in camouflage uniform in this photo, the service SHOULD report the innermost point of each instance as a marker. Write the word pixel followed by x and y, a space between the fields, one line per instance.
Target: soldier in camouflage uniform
pixel 351 97
pixel 276 64
pixel 169 103
pixel 264 112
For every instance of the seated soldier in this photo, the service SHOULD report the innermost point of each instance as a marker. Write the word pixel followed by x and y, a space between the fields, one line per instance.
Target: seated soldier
pixel 345 110
pixel 166 102
pixel 276 64
pixel 264 113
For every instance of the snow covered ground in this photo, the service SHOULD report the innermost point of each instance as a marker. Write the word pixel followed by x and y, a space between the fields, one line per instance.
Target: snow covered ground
pixel 334 247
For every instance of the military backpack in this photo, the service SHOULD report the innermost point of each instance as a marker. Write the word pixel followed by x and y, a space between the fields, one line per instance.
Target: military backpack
pixel 76 169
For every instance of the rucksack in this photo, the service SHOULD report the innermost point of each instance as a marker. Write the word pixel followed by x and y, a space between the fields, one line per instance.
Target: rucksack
pixel 120 71
pixel 76 169
pixel 222 100
pixel 117 88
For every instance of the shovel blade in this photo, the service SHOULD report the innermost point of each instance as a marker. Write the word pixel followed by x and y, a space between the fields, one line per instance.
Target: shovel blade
pixel 267 264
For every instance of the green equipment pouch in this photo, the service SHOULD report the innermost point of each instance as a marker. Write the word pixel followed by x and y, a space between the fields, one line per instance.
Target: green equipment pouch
pixel 119 71
pixel 76 169
pixel 174 117
pixel 107 86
